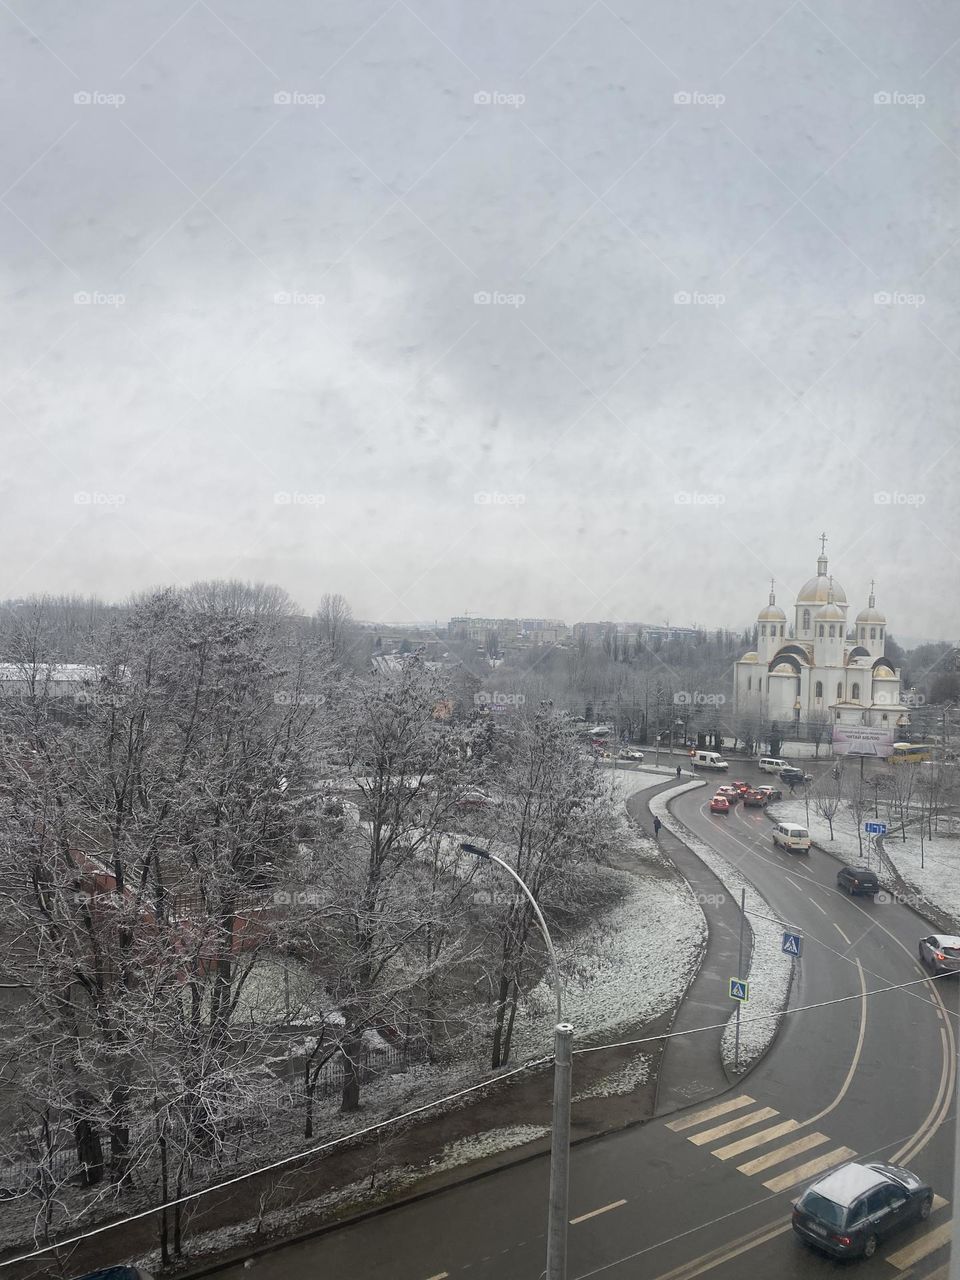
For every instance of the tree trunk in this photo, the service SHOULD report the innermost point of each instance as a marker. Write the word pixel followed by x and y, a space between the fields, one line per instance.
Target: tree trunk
pixel 496 1060
pixel 350 1097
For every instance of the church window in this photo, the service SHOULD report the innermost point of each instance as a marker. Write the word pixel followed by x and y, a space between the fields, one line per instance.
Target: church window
pixel 806 619
pixel 833 631
pixel 855 693
pixel 781 629
pixel 763 628
pixel 749 683
pixel 863 633
pixel 821 630
pixel 819 692
pixel 839 692
pixel 838 715
pixel 884 717
pixel 881 633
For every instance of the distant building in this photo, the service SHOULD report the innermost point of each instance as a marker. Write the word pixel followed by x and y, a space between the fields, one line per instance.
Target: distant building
pixel 49 679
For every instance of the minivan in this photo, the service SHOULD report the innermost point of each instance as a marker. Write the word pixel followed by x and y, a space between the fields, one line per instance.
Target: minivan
pixel 791 836
pixel 709 760
pixel 768 764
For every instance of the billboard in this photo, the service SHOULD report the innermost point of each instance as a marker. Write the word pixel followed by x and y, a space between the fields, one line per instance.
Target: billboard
pixel 862 740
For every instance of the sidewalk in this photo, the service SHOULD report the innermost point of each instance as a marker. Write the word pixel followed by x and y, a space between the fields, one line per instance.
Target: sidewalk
pixel 691 1069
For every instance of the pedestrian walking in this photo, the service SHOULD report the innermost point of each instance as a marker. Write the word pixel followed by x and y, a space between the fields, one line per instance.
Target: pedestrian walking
pixel 657 824
pixel 678 771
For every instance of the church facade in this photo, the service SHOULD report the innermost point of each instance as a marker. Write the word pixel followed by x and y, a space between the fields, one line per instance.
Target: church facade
pixel 820 669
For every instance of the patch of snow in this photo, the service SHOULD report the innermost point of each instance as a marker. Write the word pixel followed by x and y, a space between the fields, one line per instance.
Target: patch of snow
pixel 478 1145
pixel 769 972
pixel 626 1080
pixel 632 964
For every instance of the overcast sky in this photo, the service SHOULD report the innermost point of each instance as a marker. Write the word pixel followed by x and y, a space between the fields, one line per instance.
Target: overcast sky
pixel 245 244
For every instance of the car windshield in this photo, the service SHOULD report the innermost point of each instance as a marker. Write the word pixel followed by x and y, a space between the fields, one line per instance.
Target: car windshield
pixel 824 1210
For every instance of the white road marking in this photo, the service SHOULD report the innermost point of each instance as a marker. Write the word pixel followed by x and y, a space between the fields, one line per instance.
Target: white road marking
pixel 732 1126
pixel 708 1113
pixel 755 1140
pixel 804 1171
pixel 819 908
pixel 783 1153
pixel 441 1275
pixel 842 934
pixel 922 1248
pixel 615 1204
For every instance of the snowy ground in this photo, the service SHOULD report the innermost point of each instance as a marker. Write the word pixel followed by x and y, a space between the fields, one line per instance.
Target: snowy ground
pixel 769 971
pixel 934 873
pixel 633 963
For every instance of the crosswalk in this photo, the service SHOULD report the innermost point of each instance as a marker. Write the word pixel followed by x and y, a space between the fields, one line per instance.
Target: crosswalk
pixel 790 1157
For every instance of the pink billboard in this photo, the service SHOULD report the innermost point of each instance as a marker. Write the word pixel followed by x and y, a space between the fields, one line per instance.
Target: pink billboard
pixel 862 740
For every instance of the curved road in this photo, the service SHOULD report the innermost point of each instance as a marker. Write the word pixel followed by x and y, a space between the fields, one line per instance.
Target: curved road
pixel 708 1192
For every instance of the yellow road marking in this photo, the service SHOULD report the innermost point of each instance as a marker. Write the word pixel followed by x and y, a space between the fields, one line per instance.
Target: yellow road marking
pixel 938 1203
pixel 921 1248
pixel 731 1126
pixel 783 1153
pixel 615 1204
pixel 708 1113
pixel 804 1171
pixel 755 1140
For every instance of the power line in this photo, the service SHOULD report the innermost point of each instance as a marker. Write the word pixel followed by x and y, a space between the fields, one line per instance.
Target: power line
pixel 428 1106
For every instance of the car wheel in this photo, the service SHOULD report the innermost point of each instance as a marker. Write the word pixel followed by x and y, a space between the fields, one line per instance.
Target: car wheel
pixel 923 958
pixel 925 1208
pixel 870 1246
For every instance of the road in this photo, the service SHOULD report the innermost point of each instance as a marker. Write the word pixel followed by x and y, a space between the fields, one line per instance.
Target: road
pixel 708 1191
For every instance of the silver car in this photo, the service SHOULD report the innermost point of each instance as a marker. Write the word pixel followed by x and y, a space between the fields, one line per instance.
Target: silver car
pixel 940 952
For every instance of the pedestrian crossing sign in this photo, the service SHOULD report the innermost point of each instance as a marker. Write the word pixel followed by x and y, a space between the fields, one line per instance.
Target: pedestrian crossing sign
pixel 791 944
pixel 739 990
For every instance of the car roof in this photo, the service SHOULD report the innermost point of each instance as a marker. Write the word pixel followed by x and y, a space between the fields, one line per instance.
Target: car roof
pixel 860 871
pixel 846 1184
pixel 793 826
pixel 945 939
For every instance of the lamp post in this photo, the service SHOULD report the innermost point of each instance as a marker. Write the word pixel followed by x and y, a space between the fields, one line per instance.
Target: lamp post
pixel 558 1211
pixel 796 716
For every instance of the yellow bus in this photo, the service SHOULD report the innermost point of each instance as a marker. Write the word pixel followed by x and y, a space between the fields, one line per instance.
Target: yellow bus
pixel 910 753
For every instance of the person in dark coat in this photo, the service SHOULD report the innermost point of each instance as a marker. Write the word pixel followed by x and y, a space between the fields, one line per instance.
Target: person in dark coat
pixel 657 824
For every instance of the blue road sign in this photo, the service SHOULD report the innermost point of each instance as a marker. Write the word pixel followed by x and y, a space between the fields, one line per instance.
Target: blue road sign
pixel 875 828
pixel 791 944
pixel 739 990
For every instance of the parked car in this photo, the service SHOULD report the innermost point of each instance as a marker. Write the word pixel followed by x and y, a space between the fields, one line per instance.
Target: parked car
pixel 772 793
pixel 940 952
pixel 730 791
pixel 719 804
pixel 754 799
pixel 850 1211
pixel 858 880
pixel 792 837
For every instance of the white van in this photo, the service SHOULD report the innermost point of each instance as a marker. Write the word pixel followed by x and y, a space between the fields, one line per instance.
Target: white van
pixel 790 836
pixel 767 764
pixel 709 760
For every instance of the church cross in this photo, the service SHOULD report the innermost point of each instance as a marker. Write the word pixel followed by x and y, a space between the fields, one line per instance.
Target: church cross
pixel 823 544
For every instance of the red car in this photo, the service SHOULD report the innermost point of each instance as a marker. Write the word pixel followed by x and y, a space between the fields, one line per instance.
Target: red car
pixel 754 799
pixel 729 792
pixel 742 787
pixel 719 804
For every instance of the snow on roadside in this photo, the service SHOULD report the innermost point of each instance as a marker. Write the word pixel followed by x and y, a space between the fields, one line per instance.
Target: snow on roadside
pixel 626 1080
pixel 632 964
pixel 768 972
pixel 937 880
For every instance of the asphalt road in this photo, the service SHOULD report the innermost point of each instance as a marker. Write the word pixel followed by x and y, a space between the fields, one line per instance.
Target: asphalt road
pixel 703 1193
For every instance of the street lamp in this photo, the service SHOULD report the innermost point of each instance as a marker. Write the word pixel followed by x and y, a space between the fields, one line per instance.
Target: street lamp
pixel 797 708
pixel 558 1211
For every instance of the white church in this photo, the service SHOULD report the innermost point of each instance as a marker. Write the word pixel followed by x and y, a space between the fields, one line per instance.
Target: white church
pixel 821 669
